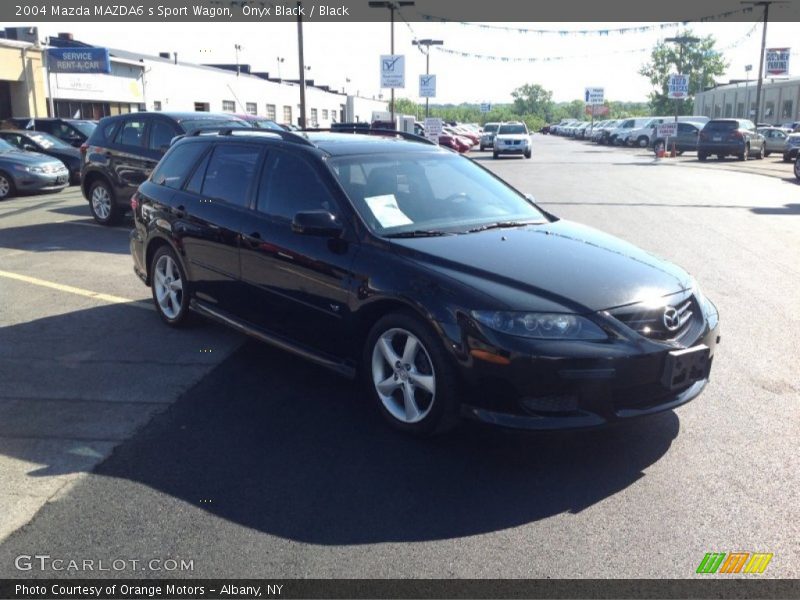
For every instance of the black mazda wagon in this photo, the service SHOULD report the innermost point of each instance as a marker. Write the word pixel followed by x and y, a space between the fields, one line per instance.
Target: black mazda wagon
pixel 448 292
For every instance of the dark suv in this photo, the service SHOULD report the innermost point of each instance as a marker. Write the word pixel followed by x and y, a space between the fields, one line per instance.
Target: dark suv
pixel 725 137
pixel 72 131
pixel 450 293
pixel 123 150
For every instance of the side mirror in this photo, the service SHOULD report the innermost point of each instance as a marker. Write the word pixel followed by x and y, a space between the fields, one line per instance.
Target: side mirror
pixel 316 222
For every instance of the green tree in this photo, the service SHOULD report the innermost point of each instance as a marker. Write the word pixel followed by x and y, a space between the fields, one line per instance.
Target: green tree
pixel 700 62
pixel 532 99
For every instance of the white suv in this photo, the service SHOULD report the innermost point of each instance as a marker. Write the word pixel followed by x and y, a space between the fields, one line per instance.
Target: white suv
pixel 512 138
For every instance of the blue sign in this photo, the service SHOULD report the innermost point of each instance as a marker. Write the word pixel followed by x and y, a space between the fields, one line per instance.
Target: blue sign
pixel 78 60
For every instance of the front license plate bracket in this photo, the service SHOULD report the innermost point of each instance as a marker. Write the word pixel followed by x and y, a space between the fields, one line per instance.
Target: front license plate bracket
pixel 683 367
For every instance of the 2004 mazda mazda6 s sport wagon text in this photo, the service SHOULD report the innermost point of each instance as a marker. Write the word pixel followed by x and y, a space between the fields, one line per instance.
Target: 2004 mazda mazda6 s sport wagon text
pixel 448 291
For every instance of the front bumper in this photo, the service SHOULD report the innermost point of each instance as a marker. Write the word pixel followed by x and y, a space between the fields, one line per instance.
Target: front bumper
pixel 41 182
pixel 577 385
pixel 511 149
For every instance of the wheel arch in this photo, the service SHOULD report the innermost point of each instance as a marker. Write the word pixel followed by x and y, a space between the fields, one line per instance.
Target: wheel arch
pixel 90 177
pixel 157 242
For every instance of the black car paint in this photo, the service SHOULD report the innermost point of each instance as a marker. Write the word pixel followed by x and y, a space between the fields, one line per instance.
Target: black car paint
pixel 318 296
pixel 721 141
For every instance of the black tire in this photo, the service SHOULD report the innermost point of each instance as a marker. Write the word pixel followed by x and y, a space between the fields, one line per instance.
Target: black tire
pixel 720 157
pixel 787 158
pixel 643 141
pixel 7 188
pixel 797 168
pixel 482 148
pixel 766 153
pixel 701 156
pixel 442 406
pixel 181 316
pixel 761 154
pixel 494 155
pixel 103 203
pixel 746 154
pixel 680 152
pixel 528 154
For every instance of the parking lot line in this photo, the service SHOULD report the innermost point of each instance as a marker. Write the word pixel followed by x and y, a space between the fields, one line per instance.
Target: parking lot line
pixel 73 290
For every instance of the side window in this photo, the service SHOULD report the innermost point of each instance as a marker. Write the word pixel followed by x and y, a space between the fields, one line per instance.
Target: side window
pixel 289 185
pixel 161 134
pixel 230 171
pixel 14 139
pixel 177 164
pixel 195 183
pixel 46 126
pixel 131 133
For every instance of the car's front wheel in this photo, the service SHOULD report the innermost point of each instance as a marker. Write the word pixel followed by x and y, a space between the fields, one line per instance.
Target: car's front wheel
pixel 169 286
pixel 6 186
pixel 761 153
pixel 409 376
pixel 797 168
pixel 102 203
pixel 527 153
pixel 702 156
pixel 494 155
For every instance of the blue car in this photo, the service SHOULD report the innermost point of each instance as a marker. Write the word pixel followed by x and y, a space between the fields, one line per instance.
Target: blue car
pixel 23 171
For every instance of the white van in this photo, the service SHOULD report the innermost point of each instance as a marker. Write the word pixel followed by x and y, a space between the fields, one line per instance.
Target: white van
pixel 644 135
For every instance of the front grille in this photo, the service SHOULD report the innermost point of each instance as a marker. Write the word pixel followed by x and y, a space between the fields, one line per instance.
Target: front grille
pixel 649 321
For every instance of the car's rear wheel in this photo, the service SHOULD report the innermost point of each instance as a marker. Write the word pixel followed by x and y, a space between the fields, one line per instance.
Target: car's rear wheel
pixel 746 154
pixel 643 141
pixel 797 168
pixel 169 286
pixel 702 156
pixel 102 203
pixel 6 186
pixel 767 153
pixel 761 153
pixel 409 376
pixel 787 158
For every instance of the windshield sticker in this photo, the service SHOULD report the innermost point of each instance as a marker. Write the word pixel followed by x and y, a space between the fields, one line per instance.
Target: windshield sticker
pixel 386 211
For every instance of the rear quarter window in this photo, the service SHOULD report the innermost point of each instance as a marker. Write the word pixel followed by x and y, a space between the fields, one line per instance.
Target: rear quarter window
pixel 176 165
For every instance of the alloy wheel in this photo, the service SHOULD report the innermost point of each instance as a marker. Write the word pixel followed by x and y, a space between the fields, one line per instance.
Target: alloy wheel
pixel 168 287
pixel 403 375
pixel 101 202
pixel 5 187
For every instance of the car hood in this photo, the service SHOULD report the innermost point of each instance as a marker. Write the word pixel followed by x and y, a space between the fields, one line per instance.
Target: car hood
pixel 27 158
pixel 553 266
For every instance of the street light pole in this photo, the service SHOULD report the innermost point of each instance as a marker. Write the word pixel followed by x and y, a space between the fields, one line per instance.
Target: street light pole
pixel 681 41
pixel 427 43
pixel 766 4
pixel 302 66
pixel 392 5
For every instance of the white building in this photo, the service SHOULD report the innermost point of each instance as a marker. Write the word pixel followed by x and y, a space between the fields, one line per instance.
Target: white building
pixel 163 83
pixel 780 101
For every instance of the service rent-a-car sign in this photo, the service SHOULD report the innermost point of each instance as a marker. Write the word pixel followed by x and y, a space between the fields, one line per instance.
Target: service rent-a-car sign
pixel 777 62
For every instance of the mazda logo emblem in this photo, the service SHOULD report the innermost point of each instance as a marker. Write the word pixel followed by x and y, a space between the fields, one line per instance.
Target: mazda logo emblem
pixel 671 318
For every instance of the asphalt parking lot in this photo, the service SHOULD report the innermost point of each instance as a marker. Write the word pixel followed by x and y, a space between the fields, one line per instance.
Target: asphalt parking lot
pixel 120 438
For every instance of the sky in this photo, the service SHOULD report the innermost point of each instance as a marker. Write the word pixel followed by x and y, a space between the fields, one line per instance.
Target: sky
pixel 337 52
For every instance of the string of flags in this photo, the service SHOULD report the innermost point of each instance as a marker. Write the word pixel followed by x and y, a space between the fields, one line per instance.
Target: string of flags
pixel 587 32
pixel 534 59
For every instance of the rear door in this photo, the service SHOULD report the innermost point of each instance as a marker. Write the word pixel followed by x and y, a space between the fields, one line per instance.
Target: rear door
pixel 298 284
pixel 687 137
pixel 127 158
pixel 211 207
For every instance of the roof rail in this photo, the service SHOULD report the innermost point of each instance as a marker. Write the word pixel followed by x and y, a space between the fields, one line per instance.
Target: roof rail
pixel 287 136
pixel 412 137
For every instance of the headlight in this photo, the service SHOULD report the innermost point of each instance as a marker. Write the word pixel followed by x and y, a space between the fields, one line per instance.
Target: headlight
pixel 548 326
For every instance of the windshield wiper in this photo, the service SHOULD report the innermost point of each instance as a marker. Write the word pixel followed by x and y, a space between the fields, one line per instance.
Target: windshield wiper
pixel 502 225
pixel 419 233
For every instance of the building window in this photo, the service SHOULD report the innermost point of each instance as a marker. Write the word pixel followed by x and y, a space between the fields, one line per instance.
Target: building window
pixel 287 114
pixel 717 110
pixel 728 109
pixel 314 117
pixel 228 106
pixel 324 114
pixel 252 108
pixel 201 107
pixel 271 111
pixel 740 110
pixel 752 110
pixel 786 113
pixel 769 110
pixel 156 104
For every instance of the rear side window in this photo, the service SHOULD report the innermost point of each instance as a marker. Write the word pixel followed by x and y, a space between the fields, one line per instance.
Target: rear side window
pixel 230 172
pixel 161 134
pixel 176 165
pixel 131 133
pixel 288 186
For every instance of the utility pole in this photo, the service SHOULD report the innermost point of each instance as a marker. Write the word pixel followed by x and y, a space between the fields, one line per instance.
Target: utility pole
pixel 392 5
pixel 681 41
pixel 766 4
pixel 747 69
pixel 237 47
pixel 427 43
pixel 302 66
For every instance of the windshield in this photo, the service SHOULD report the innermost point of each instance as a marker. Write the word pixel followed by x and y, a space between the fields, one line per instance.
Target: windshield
pixel 424 191
pixel 490 128
pixel 512 129
pixel 266 124
pixel 85 127
pixel 5 146
pixel 47 141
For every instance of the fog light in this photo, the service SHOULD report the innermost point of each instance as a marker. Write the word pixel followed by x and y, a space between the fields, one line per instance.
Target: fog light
pixel 551 404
